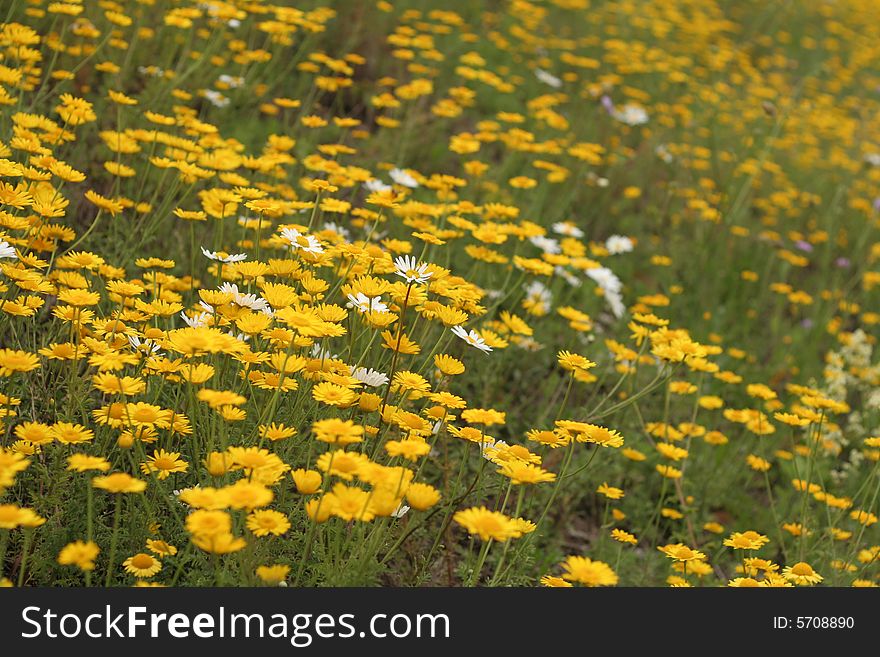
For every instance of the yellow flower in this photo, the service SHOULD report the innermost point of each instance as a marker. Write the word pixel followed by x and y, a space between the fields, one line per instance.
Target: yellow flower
pixel 79 553
pixel 486 524
pixel 161 548
pixel 588 572
pixel 119 482
pixel 12 361
pixel 273 574
pixel 307 481
pixel 681 552
pixel 142 565
pixel 267 521
pixel 164 463
pixel 84 462
pixel 801 574
pixel 422 496
pixel 610 492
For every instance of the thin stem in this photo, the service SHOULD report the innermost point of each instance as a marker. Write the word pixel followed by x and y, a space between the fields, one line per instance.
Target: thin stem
pixel 113 540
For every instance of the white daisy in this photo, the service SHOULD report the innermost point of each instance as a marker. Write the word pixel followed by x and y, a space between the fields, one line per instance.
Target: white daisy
pixel 605 278
pixel 538 293
pixel 664 154
pixel 400 511
pixel 322 354
pixel 568 229
pixel 196 321
pixel 630 114
pixel 599 181
pixel 365 304
pixel 411 270
pixel 147 345
pixel 401 177
pixel 213 255
pixel 252 301
pixel 6 250
pixel 548 78
pixel 546 244
pixel 153 71
pixel 615 300
pixel 376 185
pixel 529 344
pixel 567 276
pixel 611 287
pixel 216 98
pixel 472 338
pixel 490 447
pixel 301 241
pixel 232 82
pixel 618 244
pixel 339 230
pixel 369 377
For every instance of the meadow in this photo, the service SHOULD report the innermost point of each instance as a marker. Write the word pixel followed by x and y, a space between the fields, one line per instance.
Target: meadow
pixel 511 293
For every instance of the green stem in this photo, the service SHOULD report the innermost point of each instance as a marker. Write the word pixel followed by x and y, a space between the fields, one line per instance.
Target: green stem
pixel 113 540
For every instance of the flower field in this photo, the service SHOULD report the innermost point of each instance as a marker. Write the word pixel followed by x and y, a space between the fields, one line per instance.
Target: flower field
pixel 518 293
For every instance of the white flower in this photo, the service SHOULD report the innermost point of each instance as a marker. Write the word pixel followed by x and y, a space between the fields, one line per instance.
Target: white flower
pixel 230 81
pixel 216 98
pixel 229 288
pixel 401 177
pixel 611 286
pixel 178 491
pixel 6 250
pixel 339 230
pixel 529 344
pixel 546 244
pixel 365 304
pixel 154 71
pixel 376 185
pixel 615 300
pixel 254 302
pixel 630 114
pixel 548 78
pixel 251 301
pixel 567 276
pixel 873 159
pixel 664 154
pixel 538 293
pixel 213 255
pixel 605 278
pixel 618 244
pixel 411 270
pixel 597 180
pixel 147 345
pixel 369 377
pixel 567 228
pixel 472 338
pixel 490 448
pixel 400 511
pixel 301 241
pixel 322 354
pixel 196 321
